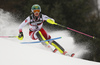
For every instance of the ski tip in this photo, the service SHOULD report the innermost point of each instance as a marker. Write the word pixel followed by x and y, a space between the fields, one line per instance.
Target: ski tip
pixel 73 55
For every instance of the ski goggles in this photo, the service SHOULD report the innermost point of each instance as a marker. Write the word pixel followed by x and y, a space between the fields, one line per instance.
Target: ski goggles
pixel 36 11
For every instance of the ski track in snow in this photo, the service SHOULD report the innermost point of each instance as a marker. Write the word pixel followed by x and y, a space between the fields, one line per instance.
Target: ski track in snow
pixel 9 26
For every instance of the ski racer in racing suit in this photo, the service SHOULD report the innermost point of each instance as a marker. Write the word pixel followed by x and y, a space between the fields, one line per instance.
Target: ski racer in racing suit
pixel 36 31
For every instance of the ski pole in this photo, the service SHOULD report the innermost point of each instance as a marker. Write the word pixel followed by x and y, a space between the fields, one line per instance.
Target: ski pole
pixel 8 36
pixel 76 31
pixel 52 22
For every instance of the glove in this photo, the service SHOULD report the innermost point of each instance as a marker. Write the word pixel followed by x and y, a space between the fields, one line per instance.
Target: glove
pixel 20 36
pixel 51 21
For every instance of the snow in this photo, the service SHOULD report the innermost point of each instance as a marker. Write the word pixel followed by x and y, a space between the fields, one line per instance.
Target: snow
pixel 12 52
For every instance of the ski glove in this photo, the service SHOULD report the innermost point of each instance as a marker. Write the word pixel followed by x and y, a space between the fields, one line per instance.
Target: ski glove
pixel 51 21
pixel 20 36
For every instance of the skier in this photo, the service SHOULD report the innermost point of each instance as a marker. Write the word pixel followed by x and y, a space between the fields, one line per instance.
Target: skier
pixel 36 31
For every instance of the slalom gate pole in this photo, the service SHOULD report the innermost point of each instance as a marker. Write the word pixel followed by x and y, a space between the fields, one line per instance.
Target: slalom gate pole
pixel 75 31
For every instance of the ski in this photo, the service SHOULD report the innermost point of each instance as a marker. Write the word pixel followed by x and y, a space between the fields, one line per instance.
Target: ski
pixel 67 54
pixel 71 55
pixel 41 41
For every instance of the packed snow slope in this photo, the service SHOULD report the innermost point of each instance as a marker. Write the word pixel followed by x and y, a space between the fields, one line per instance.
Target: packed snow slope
pixel 12 52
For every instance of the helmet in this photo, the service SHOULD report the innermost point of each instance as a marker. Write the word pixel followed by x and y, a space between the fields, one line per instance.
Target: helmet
pixel 35 8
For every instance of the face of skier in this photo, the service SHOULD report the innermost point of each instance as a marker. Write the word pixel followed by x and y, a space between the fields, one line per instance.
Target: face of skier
pixel 36 13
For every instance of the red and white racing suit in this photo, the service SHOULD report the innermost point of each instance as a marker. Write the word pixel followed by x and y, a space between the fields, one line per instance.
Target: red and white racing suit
pixel 35 26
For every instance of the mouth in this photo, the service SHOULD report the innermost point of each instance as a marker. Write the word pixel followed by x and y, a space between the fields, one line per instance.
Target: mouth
pixel 36 14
